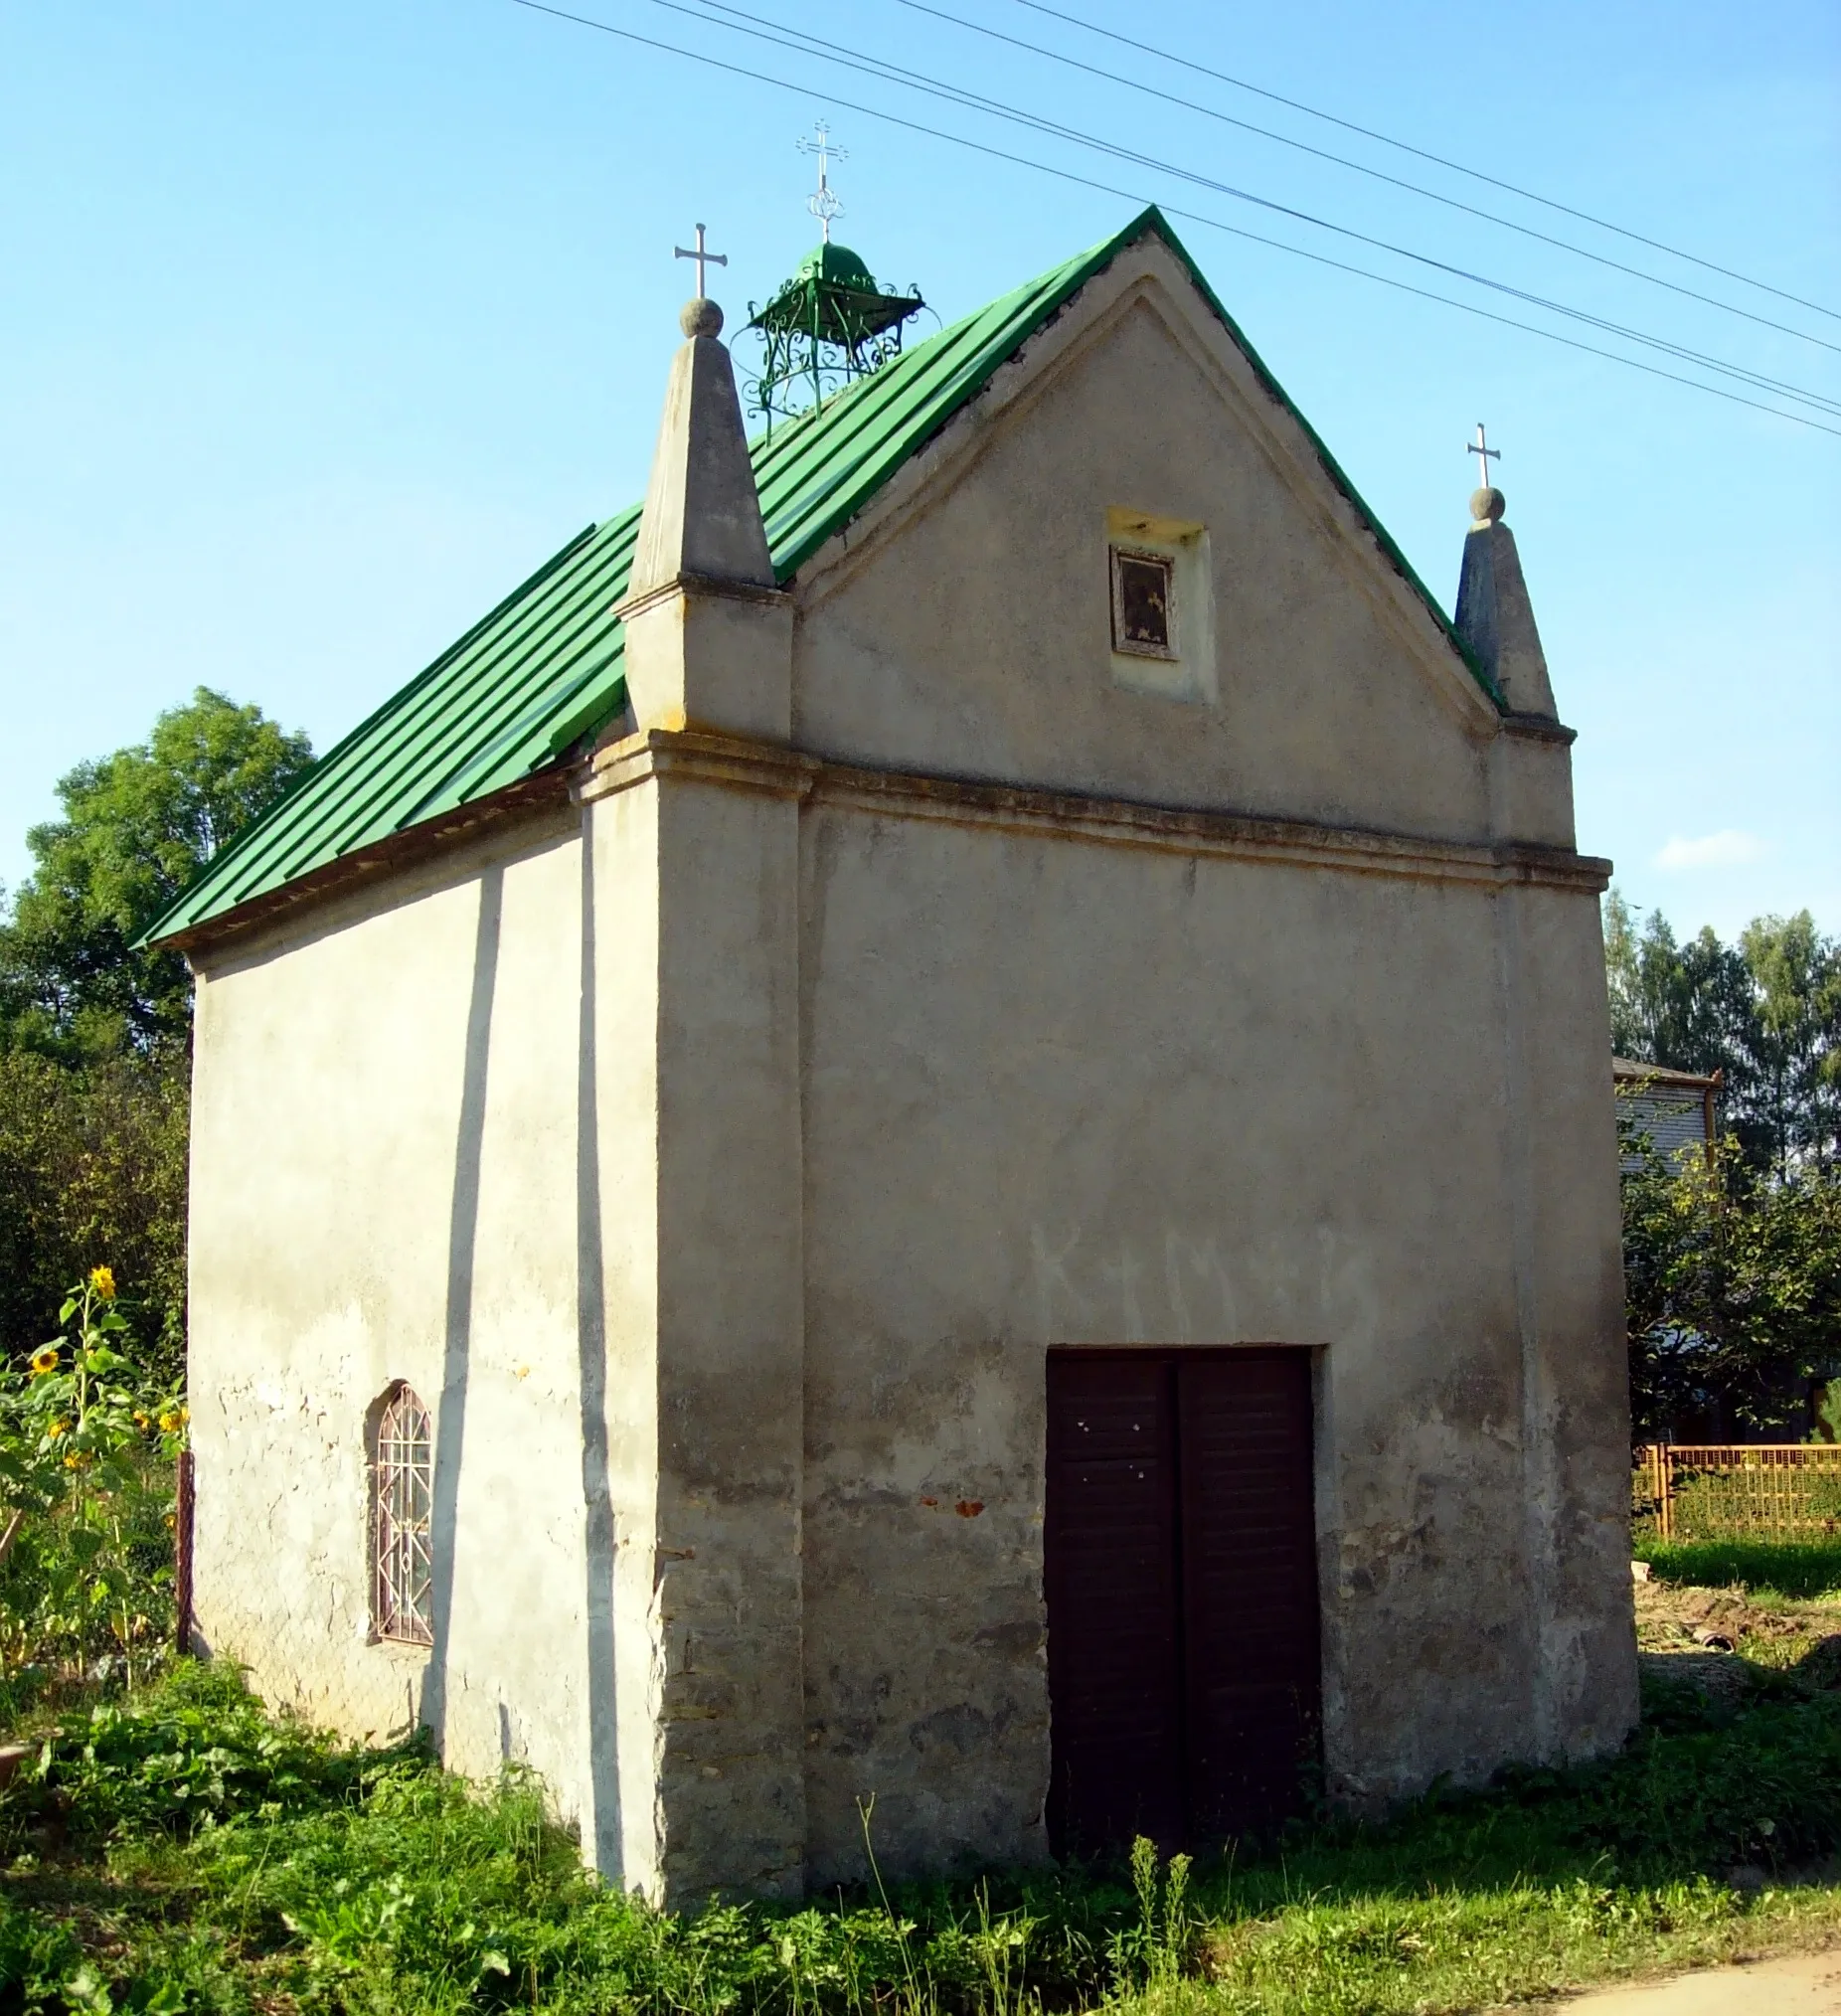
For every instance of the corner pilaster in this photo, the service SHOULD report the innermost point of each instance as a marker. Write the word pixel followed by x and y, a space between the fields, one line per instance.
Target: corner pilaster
pixel 709 1626
pixel 1530 763
pixel 708 633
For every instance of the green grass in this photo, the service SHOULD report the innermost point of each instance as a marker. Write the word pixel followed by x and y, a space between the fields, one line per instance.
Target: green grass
pixel 1791 1570
pixel 188 1853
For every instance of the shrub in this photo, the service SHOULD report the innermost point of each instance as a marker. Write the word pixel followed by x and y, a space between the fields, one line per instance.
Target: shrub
pixel 362 1881
pixel 196 1749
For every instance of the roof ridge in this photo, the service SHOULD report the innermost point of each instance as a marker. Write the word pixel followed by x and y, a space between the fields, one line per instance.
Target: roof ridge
pixel 544 667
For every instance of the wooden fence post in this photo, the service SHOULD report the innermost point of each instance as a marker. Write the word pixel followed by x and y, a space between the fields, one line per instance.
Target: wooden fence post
pixel 1661 1487
pixel 183 1510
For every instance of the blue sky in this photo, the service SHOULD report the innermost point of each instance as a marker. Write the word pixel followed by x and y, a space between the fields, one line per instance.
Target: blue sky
pixel 321 327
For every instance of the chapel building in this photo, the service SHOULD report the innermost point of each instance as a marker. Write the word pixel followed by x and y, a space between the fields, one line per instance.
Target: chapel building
pixel 934 1126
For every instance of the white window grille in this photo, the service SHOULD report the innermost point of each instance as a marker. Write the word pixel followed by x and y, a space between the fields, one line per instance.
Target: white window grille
pixel 402 1497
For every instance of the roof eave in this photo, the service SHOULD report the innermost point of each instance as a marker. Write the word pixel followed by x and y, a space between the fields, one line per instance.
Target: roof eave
pixel 365 867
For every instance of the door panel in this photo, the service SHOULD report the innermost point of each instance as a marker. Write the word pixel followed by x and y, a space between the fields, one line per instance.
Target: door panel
pixel 1250 1585
pixel 1180 1572
pixel 1111 1575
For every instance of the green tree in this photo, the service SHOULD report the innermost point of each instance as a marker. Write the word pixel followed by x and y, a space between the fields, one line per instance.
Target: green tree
pixel 1732 1285
pixel 137 827
pixel 1684 1006
pixel 1765 1012
pixel 93 1160
pixel 1797 975
pixel 94 1033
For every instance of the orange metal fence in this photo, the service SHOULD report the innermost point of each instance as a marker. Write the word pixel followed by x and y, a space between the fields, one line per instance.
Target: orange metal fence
pixel 1738 1490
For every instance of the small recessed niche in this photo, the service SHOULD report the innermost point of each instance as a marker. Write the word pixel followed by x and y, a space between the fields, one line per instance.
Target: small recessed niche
pixel 1161 592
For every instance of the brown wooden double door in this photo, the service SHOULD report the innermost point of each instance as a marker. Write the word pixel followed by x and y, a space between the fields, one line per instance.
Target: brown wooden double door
pixel 1180 1561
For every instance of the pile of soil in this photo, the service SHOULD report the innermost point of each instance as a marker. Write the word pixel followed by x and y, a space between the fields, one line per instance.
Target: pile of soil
pixel 1724 1644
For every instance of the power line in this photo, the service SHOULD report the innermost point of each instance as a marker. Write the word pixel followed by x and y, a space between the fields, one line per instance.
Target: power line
pixel 1357 167
pixel 1188 216
pixel 1438 160
pixel 801 43
pixel 890 73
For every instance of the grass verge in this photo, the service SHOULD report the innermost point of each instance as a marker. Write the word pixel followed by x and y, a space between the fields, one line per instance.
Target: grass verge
pixel 1746 1563
pixel 189 1853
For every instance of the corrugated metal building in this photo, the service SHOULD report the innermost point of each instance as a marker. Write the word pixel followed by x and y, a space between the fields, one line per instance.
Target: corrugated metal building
pixel 1676 1109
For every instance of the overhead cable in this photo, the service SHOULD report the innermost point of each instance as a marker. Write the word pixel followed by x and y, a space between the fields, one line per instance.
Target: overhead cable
pixel 1358 167
pixel 1188 216
pixel 720 14
pixel 1424 154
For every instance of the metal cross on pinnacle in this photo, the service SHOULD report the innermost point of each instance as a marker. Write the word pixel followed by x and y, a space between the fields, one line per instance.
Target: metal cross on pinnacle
pixel 704 257
pixel 823 203
pixel 1484 456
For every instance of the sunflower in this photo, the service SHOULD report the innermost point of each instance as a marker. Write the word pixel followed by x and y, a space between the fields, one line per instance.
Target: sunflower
pixel 44 1361
pixel 57 1429
pixel 102 1280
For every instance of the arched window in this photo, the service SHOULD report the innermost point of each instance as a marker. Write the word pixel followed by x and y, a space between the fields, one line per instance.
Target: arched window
pixel 402 1494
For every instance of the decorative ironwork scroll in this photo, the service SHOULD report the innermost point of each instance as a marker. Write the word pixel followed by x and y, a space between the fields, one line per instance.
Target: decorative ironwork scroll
pixel 828 325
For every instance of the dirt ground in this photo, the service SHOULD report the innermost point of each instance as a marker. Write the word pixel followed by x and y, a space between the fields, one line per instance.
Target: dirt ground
pixel 1718 1639
pixel 1808 1984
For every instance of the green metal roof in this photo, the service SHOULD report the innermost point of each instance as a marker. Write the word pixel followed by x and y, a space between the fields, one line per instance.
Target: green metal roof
pixel 543 669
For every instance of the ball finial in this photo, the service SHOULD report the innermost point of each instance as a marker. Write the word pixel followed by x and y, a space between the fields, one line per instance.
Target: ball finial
pixel 701 317
pixel 1486 506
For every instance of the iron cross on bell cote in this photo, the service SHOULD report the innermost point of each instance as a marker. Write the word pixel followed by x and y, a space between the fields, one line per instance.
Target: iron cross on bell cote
pixel 824 202
pixel 1479 448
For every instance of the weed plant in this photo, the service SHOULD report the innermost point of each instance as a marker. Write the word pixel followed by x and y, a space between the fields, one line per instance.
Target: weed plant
pixel 183 1851
pixel 88 1447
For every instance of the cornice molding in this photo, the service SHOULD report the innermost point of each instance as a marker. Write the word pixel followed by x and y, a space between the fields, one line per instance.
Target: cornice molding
pixel 685 586
pixel 665 753
pixel 686 756
pixel 690 756
pixel 1539 728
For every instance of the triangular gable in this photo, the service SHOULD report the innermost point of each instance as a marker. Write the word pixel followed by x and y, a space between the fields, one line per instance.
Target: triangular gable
pixel 544 670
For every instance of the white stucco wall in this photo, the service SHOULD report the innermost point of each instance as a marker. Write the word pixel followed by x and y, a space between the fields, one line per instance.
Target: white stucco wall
pixel 984 649
pixel 722 1181
pixel 1185 1103
pixel 1077 1085
pixel 384 1187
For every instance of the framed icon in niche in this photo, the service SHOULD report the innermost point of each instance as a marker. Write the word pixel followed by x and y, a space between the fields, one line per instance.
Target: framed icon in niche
pixel 1143 603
